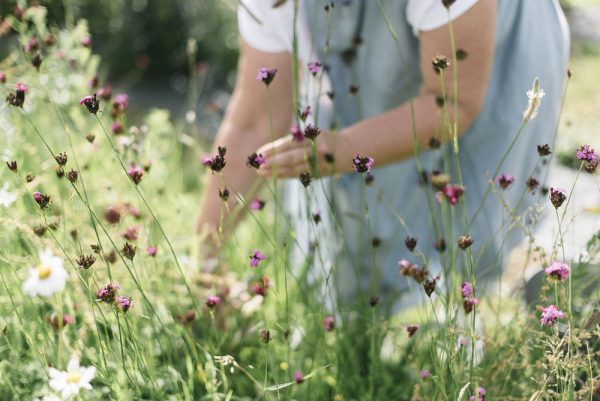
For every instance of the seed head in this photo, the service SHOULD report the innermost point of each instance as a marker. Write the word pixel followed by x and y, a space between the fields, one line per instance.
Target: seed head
pixel 464 241
pixel 557 197
pixel 85 261
pixel 311 132
pixel 440 63
pixel 305 179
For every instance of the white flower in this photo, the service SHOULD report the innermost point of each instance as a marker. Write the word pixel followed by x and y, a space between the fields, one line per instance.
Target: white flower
pixel 46 279
pixel 74 379
pixel 535 95
pixel 49 398
pixel 7 198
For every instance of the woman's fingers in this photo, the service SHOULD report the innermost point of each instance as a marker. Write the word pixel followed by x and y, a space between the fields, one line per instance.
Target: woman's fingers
pixel 285 162
pixel 278 146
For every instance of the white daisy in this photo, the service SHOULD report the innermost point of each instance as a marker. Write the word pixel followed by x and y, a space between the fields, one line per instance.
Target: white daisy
pixel 46 279
pixel 74 379
pixel 535 95
pixel 7 198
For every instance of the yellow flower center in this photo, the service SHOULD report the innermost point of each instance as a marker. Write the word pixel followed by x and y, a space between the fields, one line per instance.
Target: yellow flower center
pixel 44 272
pixel 73 377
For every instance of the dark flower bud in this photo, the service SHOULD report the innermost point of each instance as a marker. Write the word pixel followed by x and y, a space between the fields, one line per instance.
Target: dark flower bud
pixel 532 184
pixel 72 176
pixel 111 257
pixel 544 150
pixel 373 301
pixel 50 40
pixel 411 329
pixel 304 113
pixel 85 261
pixel 329 6
pixel 129 251
pixel 90 138
pixel 316 217
pixel 448 3
pixel 440 101
pixel 369 179
pixel 464 241
pixel 61 158
pixel 440 63
pixel 187 318
pixel 29 177
pixel 39 230
pixel 112 215
pixel 135 173
pixel 411 243
pixel 353 90
pixel 265 336
pixel 305 179
pixel 12 165
pixel 311 132
pixel 36 61
pixel 429 285
pixel 434 143
pixel 224 194
pixel 440 245
pixel 60 171
pixel 461 54
pixel 18 98
pixel 557 197
pixel 108 293
pixel 57 324
pixel 375 242
pixel 2 77
pixel 96 248
pixel 331 94
pixel 329 158
pixel 329 323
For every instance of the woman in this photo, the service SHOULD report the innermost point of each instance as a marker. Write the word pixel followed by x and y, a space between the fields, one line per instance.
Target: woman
pixel 378 79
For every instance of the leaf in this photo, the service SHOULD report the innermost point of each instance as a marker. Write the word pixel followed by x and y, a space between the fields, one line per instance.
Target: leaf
pixel 462 391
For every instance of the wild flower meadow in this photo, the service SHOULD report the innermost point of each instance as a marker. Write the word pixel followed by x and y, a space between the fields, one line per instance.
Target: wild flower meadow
pixel 104 296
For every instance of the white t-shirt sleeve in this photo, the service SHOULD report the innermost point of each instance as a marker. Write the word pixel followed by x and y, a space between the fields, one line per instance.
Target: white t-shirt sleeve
pixel 263 27
pixel 427 15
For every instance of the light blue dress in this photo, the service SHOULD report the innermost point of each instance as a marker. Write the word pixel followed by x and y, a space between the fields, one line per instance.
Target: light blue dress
pixel 531 41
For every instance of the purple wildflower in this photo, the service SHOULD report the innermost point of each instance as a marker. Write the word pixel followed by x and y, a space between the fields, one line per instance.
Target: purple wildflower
pixel 452 193
pixel 329 323
pixel 152 251
pixel 257 204
pixel 298 377
pixel 105 92
pixel 558 271
pixel 216 163
pixel 132 233
pixel 116 128
pixel 480 395
pixel 121 101
pixel 411 329
pixel 362 164
pixel 86 41
pixel 91 103
pixel 135 173
pixel 504 180
pixel 469 304
pixel 41 199
pixel 212 301
pixel 256 257
pixel 424 374
pixel 297 133
pixel 18 98
pixel 550 315
pixel 314 67
pixel 108 293
pixel 587 154
pixel 532 184
pixel 311 132
pixel 266 75
pixel 123 304
pixel 557 197
pixel 255 160
pixel 305 112
pixel 466 290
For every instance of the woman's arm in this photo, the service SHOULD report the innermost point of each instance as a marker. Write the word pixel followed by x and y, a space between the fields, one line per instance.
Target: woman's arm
pixel 388 137
pixel 244 128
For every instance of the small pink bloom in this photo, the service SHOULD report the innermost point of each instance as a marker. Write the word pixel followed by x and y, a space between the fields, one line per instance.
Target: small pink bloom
pixel 256 257
pixel 212 301
pixel 151 251
pixel 558 271
pixel 550 315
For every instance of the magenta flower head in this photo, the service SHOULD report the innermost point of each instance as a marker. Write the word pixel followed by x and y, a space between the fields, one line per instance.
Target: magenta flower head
pixel 314 67
pixel 550 315
pixel 121 101
pixel 108 293
pixel 587 154
pixel 297 133
pixel 86 41
pixel 362 164
pixel 329 323
pixel 2 77
pixel 424 374
pixel 557 196
pixel 298 377
pixel 256 257
pixel 105 92
pixel 532 184
pixel 558 271
pixel 255 160
pixel 135 173
pixel 466 290
pixel 480 395
pixel 123 304
pixel 452 193
pixel 91 103
pixel 17 99
pixel 504 180
pixel 116 128
pixel 217 163
pixel 132 233
pixel 152 251
pixel 469 304
pixel 42 200
pixel 266 75
pixel 257 204
pixel 212 301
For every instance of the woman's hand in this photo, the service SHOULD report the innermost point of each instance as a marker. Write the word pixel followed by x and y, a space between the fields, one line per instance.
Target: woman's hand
pixel 288 158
